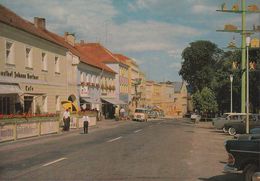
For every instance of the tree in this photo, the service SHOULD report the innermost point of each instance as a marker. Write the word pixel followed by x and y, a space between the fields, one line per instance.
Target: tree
pixel 205 101
pixel 198 68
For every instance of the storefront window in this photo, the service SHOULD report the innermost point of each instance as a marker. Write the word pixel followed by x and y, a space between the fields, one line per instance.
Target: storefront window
pixel 28 100
pixel 5 105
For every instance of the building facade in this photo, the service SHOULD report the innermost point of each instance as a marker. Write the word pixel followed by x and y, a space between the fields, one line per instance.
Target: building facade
pixel 33 67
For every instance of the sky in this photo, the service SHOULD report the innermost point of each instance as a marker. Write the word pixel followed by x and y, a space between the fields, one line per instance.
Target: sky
pixel 152 32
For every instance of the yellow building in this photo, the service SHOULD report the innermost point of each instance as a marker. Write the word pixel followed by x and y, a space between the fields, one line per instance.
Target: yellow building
pixel 33 67
pixel 142 90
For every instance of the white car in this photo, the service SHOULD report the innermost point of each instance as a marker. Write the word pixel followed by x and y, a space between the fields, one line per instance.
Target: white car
pixel 141 114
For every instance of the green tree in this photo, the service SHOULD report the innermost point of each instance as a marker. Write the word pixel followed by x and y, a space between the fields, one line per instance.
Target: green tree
pixel 198 68
pixel 205 101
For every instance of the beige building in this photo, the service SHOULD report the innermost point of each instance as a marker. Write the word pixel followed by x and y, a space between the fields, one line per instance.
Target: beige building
pixel 168 98
pixel 33 67
pixel 181 98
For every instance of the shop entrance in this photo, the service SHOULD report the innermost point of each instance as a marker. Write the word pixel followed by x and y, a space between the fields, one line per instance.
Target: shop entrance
pixel 28 101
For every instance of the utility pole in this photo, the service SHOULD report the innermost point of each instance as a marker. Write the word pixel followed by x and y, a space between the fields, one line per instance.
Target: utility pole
pixel 244 33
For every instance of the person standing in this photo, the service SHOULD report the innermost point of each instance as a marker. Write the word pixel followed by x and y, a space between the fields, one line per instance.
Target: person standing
pixel 122 113
pixel 66 119
pixel 86 121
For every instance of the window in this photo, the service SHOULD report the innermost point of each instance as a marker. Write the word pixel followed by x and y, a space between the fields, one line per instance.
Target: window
pixel 57 103
pixel 88 78
pixel 44 104
pixel 44 61
pixel 28 57
pixel 57 65
pixel 5 105
pixel 9 52
pixel 82 75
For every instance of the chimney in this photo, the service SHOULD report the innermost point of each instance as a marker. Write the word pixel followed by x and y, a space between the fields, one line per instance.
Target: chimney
pixel 82 42
pixel 69 38
pixel 39 23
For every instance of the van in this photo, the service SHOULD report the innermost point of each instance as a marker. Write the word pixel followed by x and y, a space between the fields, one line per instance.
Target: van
pixel 140 114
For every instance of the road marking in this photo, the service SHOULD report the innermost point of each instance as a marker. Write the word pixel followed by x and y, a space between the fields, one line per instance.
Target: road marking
pixel 55 161
pixel 114 139
pixel 136 131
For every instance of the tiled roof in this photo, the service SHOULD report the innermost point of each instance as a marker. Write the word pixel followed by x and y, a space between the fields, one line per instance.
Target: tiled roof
pixel 95 54
pixel 10 18
pixel 122 58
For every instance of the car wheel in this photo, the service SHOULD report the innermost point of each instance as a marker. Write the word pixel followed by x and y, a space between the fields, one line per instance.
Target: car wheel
pixel 249 171
pixel 224 130
pixel 232 131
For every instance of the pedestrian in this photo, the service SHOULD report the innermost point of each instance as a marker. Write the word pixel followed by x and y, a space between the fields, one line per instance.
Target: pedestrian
pixel 122 113
pixel 86 121
pixel 66 120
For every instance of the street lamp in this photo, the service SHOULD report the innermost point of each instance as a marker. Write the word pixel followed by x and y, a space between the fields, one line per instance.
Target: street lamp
pixel 231 96
pixel 248 39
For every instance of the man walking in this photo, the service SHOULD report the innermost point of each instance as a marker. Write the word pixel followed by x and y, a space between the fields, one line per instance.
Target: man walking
pixel 66 119
pixel 86 121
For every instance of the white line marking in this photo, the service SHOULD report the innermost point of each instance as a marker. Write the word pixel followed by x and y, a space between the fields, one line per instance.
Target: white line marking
pixel 55 161
pixel 114 139
pixel 136 131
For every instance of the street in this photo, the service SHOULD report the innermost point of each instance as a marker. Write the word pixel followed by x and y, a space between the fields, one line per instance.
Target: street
pixel 166 149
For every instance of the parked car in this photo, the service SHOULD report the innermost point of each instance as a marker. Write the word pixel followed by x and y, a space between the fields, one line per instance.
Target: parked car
pixel 240 127
pixel 219 122
pixel 256 176
pixel 140 114
pixel 255 130
pixel 152 114
pixel 244 155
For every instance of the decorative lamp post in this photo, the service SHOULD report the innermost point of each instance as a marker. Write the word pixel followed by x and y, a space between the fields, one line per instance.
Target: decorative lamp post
pixel 231 96
pixel 248 39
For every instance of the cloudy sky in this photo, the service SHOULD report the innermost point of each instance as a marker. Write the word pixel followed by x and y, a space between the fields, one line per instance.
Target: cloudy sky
pixel 153 32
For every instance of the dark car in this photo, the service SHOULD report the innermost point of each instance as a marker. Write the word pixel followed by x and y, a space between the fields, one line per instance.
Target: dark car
pixel 240 127
pixel 244 155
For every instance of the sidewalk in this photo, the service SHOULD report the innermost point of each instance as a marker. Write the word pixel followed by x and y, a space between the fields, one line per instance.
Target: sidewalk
pixel 101 125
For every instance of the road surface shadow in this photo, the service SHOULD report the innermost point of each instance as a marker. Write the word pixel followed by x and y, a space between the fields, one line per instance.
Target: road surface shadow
pixel 226 177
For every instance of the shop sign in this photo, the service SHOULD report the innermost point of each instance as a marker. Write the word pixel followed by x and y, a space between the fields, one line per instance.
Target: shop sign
pixel 14 74
pixel 84 92
pixel 28 88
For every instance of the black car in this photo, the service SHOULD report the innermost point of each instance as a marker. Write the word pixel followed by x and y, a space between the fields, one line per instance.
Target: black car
pixel 243 155
pixel 240 127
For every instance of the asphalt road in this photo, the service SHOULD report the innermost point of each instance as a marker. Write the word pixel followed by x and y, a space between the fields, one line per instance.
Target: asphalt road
pixel 163 150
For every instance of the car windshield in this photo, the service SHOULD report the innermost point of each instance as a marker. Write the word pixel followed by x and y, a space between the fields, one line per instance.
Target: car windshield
pixel 140 111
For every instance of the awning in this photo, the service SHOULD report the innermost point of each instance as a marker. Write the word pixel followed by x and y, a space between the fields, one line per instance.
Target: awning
pixel 91 100
pixel 114 101
pixel 10 89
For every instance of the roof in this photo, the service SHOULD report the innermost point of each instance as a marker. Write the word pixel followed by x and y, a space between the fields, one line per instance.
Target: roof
pixel 10 18
pixel 76 52
pixel 122 58
pixel 93 54
pixel 97 52
pixel 177 86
